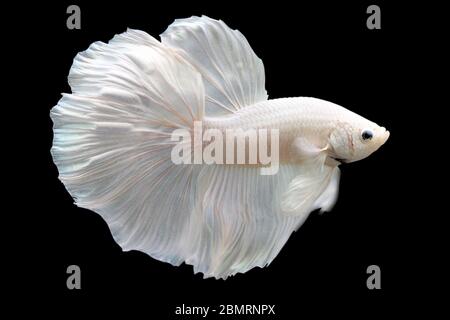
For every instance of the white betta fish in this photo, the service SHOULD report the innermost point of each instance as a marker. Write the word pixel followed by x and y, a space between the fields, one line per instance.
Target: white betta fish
pixel 113 146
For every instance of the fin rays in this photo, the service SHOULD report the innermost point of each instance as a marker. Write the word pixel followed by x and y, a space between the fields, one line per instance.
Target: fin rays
pixel 112 148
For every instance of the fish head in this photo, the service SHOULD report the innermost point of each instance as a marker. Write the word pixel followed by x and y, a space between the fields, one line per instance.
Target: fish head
pixel 356 140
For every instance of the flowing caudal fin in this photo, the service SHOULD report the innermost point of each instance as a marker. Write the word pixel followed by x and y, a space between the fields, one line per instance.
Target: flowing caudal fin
pixel 112 139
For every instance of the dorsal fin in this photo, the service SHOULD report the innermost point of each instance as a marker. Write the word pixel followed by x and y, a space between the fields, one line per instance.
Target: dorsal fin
pixel 233 75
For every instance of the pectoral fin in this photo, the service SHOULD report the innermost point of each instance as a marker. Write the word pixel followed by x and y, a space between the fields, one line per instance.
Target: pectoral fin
pixel 305 150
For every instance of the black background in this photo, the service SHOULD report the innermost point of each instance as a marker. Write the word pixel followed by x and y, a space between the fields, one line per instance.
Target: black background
pixel 322 50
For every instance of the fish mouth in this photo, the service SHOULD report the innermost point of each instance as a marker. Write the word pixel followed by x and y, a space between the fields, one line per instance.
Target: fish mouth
pixel 385 135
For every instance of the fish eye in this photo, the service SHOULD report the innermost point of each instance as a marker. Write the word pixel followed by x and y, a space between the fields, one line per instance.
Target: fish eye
pixel 366 134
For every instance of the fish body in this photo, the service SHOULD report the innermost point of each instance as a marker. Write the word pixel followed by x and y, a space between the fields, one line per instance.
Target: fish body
pixel 312 119
pixel 114 147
